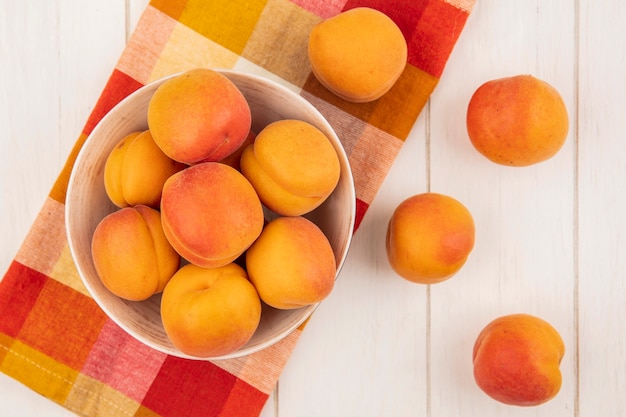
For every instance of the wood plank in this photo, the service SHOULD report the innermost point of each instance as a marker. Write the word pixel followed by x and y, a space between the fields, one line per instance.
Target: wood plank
pixel 602 205
pixel 56 58
pixel 523 260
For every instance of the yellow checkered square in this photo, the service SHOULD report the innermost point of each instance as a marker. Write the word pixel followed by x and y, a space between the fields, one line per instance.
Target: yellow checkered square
pixel 226 22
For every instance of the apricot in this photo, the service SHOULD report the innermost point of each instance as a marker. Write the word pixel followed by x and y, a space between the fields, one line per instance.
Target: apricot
pixel 292 263
pixel 429 238
pixel 113 170
pixel 136 169
pixel 131 254
pixel 517 121
pixel 210 213
pixel 292 166
pixel 199 116
pixel 358 54
pixel 516 360
pixel 210 312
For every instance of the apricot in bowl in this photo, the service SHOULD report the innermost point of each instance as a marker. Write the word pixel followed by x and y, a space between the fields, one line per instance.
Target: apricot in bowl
pixel 87 204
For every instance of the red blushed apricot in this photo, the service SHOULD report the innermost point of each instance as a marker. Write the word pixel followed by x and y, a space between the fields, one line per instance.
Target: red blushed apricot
pixel 516 360
pixel 210 213
pixel 199 116
pixel 517 121
pixel 131 254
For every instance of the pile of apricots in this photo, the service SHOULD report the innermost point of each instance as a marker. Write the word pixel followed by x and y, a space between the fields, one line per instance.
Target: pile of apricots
pixel 191 192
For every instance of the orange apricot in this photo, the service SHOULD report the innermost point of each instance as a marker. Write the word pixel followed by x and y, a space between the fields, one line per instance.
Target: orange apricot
pixel 210 312
pixel 292 263
pixel 358 54
pixel 429 237
pixel 131 254
pixel 136 169
pixel 292 166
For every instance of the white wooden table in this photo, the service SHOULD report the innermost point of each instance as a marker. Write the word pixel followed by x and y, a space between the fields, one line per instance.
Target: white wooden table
pixel 550 238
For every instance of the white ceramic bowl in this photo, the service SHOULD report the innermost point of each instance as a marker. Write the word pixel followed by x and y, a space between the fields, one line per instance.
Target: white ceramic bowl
pixel 87 203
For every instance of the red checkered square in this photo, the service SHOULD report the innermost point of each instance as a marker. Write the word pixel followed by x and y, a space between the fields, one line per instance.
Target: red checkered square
pixel 118 87
pixel 435 35
pixel 180 380
pixel 406 14
pixel 18 293
pixel 243 401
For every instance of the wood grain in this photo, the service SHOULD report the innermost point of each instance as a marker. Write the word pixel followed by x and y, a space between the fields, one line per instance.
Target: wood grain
pixel 55 58
pixel 601 181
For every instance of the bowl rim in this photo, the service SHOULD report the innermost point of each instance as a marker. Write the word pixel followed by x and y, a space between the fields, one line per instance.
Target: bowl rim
pixel 69 212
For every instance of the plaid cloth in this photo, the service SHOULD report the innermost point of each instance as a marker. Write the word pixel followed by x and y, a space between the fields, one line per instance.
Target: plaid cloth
pixel 55 339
